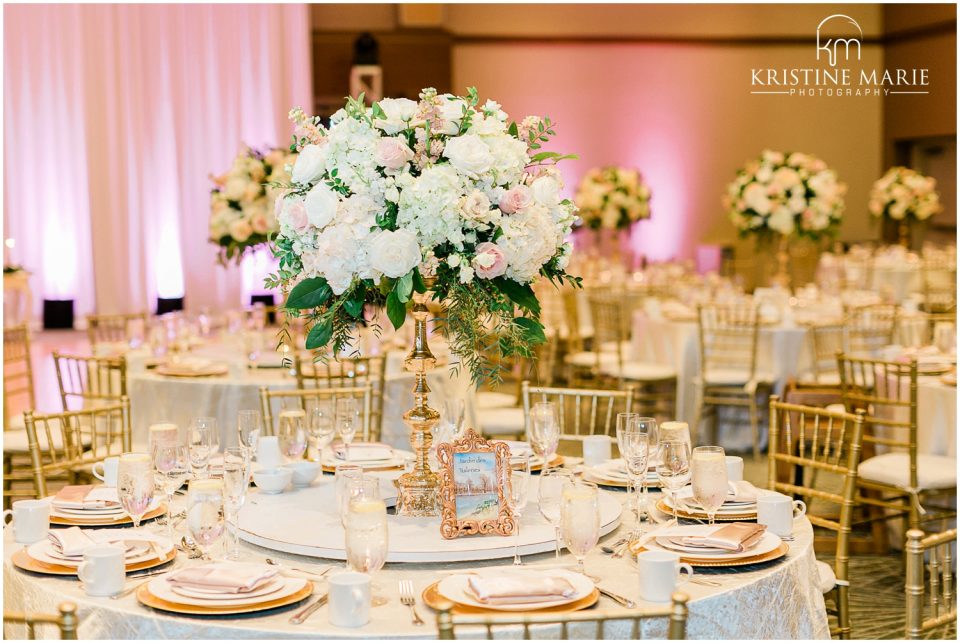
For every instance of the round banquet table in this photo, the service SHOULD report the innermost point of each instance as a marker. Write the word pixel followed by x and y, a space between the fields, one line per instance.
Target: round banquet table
pixel 157 398
pixel 778 600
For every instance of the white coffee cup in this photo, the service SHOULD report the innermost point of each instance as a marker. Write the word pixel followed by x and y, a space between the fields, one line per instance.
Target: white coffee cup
pixel 31 520
pixel 108 470
pixel 102 571
pixel 268 452
pixel 777 512
pixel 734 468
pixel 660 575
pixel 597 449
pixel 349 599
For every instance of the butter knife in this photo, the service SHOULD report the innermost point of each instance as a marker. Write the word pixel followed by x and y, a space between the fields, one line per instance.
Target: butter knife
pixel 305 613
pixel 623 600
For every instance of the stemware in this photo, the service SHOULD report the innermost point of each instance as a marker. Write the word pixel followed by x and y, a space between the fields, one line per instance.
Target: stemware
pixel 205 511
pixel 580 520
pixel 203 438
pixel 236 481
pixel 709 472
pixel 249 425
pixel 366 536
pixel 135 485
pixel 519 487
pixel 347 422
pixel 320 426
pixel 635 449
pixel 343 477
pixel 649 426
pixel 253 346
pixel 673 468
pixel 623 421
pixel 292 433
pixel 550 496
pixel 171 464
pixel 544 430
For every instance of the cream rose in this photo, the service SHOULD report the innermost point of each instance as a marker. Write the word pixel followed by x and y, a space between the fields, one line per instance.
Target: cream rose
pixel 469 155
pixel 395 253
pixel 490 261
pixel 392 153
pixel 399 112
pixel 240 230
pixel 321 203
pixel 546 191
pixel 310 164
pixel 235 188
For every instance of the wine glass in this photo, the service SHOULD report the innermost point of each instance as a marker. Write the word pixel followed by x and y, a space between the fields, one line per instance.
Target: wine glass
pixel 649 426
pixel 236 481
pixel 623 421
pixel 253 346
pixel 135 484
pixel 292 433
pixel 672 431
pixel 320 426
pixel 634 447
pixel 343 477
pixel 544 430
pixel 673 468
pixel 347 422
pixel 580 519
pixel 204 441
pixel 366 536
pixel 171 464
pixel 550 496
pixel 249 425
pixel 519 487
pixel 709 472
pixel 205 511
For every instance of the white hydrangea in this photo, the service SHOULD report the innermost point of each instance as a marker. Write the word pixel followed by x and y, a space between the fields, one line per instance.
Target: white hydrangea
pixel 350 150
pixel 530 239
pixel 428 205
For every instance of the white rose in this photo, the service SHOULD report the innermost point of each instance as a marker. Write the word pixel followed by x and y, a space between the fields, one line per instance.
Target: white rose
pixel 235 188
pixel 392 153
pixel 395 253
pixel 755 198
pixel 321 203
pixel 781 220
pixel 469 155
pixel 546 191
pixel 451 108
pixel 310 164
pixel 399 112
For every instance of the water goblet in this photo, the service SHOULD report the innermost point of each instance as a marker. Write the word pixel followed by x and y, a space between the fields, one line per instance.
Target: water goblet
pixel 519 487
pixel 249 425
pixel 709 473
pixel 320 426
pixel 171 464
pixel 203 439
pixel 634 447
pixel 550 497
pixel 236 481
pixel 292 433
pixel 544 430
pixel 205 511
pixel 673 468
pixel 580 520
pixel 347 420
pixel 135 485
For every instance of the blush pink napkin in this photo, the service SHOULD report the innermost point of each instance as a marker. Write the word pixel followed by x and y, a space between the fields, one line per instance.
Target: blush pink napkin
pixel 228 578
pixel 363 451
pixel 506 588
pixel 735 537
pixel 86 496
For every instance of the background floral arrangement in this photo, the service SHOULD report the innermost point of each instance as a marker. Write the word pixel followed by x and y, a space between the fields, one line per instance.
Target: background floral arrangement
pixel 786 194
pixel 904 193
pixel 242 213
pixel 440 191
pixel 612 198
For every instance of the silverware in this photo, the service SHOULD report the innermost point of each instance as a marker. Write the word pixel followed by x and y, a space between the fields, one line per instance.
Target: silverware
pixel 704 581
pixel 305 613
pixel 191 545
pixel 321 574
pixel 408 599
pixel 623 600
pixel 128 591
pixel 609 549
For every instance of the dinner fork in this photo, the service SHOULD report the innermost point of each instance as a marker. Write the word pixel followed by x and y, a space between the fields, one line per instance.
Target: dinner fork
pixel 408 599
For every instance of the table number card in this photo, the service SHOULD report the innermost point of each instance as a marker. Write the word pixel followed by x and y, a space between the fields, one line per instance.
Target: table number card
pixel 474 487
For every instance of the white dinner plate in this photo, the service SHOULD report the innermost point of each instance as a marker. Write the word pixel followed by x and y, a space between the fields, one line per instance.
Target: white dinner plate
pixel 163 590
pixel 93 514
pixel 329 460
pixel 44 550
pixel 686 496
pixel 134 550
pixel 456 589
pixel 106 511
pixel 271 586
pixel 767 544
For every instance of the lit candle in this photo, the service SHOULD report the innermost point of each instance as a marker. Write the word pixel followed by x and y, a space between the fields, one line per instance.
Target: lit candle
pixel 134 457
pixel 164 433
pixel 206 484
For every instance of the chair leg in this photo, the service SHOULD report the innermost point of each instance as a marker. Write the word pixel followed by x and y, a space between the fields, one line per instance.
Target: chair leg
pixel 843 610
pixel 755 427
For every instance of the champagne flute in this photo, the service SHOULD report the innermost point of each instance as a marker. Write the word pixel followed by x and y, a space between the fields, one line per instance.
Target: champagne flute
pixel 249 425
pixel 236 481
pixel 544 431
pixel 709 472
pixel 347 422
pixel 519 486
pixel 135 485
pixel 624 420
pixel 649 426
pixel 205 511
pixel 550 496
pixel 171 463
pixel 320 426
pixel 366 537
pixel 580 517
pixel 673 468
pixel 634 445
pixel 204 441
pixel 292 433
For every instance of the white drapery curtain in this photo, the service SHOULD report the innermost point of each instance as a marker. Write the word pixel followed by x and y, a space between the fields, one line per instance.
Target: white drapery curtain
pixel 115 116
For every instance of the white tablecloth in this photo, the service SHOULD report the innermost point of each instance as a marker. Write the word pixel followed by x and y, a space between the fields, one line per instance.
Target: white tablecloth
pixel 780 600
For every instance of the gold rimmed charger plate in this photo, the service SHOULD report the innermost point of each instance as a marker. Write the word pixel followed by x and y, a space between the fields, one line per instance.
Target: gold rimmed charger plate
pixel 557 461
pixel 159 370
pixel 120 520
pixel 25 561
pixel 433 598
pixel 146 597
pixel 699 515
pixel 619 484
pixel 779 552
pixel 381 467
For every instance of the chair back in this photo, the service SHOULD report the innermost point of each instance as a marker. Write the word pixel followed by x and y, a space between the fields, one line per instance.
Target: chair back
pixel 611 324
pixel 869 328
pixel 586 624
pixel 939 286
pixel 728 338
pixel 581 411
pixel 61 442
pixel 827 341
pixel 66 621
pixel 857 271
pixel 273 402
pixel 87 382
pixel 571 315
pixel 102 329
pixel 18 392
pixel 942 596
pixel 347 372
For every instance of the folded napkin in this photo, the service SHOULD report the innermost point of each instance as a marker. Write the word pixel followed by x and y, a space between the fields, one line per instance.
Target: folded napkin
pixel 735 537
pixel 518 448
pixel 742 491
pixel 72 541
pixel 363 451
pixel 505 588
pixel 224 578
pixel 86 496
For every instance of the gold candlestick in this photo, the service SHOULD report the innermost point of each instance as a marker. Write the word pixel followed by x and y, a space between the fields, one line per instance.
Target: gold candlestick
pixel 419 488
pixel 782 278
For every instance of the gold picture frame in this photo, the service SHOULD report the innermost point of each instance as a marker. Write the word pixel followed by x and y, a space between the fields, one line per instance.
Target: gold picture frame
pixel 474 487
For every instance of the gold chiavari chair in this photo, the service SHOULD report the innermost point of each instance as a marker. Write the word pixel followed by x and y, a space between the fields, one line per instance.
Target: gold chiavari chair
pixel 347 372
pixel 90 381
pixel 869 329
pixel 579 361
pixel 73 441
pixel 66 621
pixel 18 389
pixel 826 341
pixel 900 477
pixel 728 364
pixel 585 624
pixel 939 285
pixel 272 403
pixel 941 549
pixel 103 329
pixel 858 271
pixel 581 411
pixel 811 440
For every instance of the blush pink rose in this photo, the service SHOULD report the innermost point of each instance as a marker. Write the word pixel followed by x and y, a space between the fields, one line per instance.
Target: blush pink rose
pixel 490 261
pixel 294 214
pixel 515 199
pixel 393 153
pixel 260 223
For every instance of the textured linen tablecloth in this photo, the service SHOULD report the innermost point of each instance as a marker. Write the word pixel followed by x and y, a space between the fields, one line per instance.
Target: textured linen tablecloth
pixel 778 600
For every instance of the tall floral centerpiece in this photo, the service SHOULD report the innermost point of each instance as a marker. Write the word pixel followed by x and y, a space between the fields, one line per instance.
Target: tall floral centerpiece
pixel 404 201
pixel 612 198
pixel 781 196
pixel 904 195
pixel 242 201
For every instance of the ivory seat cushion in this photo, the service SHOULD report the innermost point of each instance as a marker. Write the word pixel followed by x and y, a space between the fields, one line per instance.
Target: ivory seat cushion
pixel 588 359
pixel 828 579
pixel 641 371
pixel 933 471
pixel 734 376
pixel 505 420
pixel 495 400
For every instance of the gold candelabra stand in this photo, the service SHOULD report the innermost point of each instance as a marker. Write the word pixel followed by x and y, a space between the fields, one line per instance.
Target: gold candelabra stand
pixel 419 489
